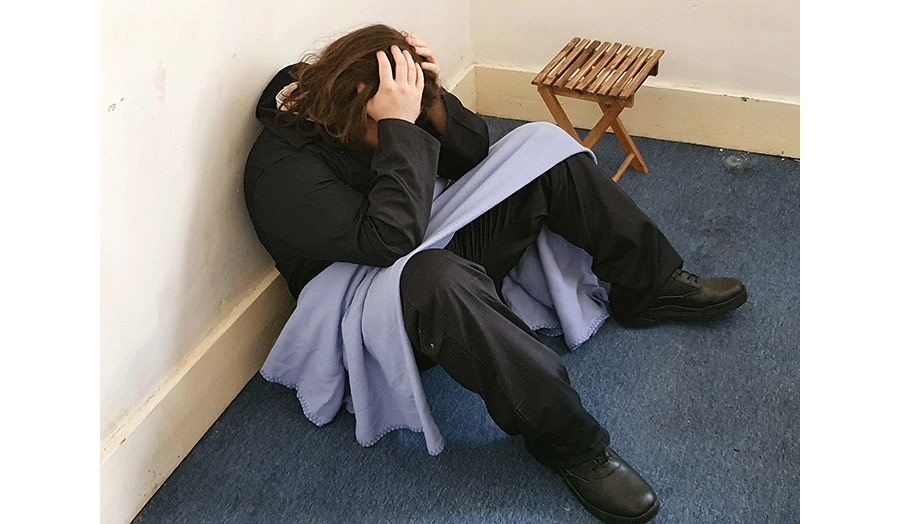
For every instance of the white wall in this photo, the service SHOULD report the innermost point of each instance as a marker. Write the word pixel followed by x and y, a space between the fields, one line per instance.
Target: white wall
pixel 739 47
pixel 179 84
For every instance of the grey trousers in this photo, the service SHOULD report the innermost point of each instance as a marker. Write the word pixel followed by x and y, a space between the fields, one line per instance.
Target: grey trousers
pixel 456 318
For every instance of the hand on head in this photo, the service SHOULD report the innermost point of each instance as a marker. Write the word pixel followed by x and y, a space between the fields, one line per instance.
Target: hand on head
pixel 427 53
pixel 399 92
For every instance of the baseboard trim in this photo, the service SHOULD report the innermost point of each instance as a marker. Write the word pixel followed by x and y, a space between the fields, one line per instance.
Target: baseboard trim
pixel 463 86
pixel 137 458
pixel 670 113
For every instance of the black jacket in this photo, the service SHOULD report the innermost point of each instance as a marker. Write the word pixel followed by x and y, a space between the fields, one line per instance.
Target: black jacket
pixel 313 202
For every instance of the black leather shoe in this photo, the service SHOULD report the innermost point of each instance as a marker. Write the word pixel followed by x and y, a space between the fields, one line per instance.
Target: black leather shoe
pixel 611 490
pixel 687 297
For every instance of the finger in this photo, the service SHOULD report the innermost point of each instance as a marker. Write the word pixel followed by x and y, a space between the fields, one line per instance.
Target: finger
pixel 420 78
pixel 400 72
pixel 425 52
pixel 428 66
pixel 384 68
pixel 415 40
pixel 411 67
pixel 419 43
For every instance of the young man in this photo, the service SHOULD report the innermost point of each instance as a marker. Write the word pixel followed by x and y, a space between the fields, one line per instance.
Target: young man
pixel 345 171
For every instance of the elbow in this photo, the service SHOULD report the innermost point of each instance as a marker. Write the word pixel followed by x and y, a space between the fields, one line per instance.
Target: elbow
pixel 384 254
pixel 389 255
pixel 480 151
pixel 477 156
pixel 407 245
pixel 483 151
pixel 381 261
pixel 485 136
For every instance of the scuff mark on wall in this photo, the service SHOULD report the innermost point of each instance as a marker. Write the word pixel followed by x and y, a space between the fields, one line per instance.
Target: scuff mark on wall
pixel 160 81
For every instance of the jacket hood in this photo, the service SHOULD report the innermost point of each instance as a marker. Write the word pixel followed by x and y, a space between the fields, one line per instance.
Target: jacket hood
pixel 266 111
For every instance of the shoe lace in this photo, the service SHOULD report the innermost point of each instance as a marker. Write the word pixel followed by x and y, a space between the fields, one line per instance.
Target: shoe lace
pixel 690 277
pixel 599 462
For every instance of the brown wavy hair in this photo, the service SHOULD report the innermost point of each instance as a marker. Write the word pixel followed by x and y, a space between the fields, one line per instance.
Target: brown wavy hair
pixel 327 84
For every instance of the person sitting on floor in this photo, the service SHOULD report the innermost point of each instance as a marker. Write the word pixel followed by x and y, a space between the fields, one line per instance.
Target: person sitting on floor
pixel 344 171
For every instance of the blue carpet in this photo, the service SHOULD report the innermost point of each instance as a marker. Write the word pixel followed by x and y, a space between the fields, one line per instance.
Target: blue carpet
pixel 708 413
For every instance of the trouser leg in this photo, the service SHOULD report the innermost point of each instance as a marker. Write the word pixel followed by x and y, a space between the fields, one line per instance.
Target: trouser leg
pixel 576 201
pixel 454 317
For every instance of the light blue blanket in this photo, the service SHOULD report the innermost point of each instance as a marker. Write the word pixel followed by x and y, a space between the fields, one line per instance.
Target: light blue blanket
pixel 346 344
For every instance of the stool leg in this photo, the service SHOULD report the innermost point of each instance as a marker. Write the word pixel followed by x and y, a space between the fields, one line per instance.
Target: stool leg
pixel 628 145
pixel 562 120
pixel 623 167
pixel 610 115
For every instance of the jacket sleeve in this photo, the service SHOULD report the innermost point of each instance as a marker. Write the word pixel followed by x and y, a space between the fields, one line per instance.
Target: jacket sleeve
pixel 308 212
pixel 465 142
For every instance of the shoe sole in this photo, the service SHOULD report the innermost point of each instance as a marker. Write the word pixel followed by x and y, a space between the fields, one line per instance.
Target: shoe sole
pixel 681 313
pixel 644 517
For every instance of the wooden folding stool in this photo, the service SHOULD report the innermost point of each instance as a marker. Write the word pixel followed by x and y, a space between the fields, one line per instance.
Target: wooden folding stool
pixel 608 74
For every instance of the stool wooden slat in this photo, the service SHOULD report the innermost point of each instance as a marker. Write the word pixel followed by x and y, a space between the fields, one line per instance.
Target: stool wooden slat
pixel 572 61
pixel 605 73
pixel 583 56
pixel 598 67
pixel 649 68
pixel 629 73
pixel 564 63
pixel 609 70
pixel 544 72
pixel 617 73
pixel 596 56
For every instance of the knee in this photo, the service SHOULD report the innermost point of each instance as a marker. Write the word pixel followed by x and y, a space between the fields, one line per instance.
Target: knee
pixel 581 165
pixel 569 172
pixel 438 272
